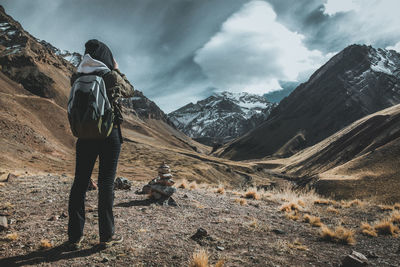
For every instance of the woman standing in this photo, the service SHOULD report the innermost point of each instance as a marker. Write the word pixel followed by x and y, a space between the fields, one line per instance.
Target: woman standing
pixel 98 60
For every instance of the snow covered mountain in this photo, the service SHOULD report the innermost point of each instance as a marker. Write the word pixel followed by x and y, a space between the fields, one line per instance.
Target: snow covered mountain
pixel 358 81
pixel 222 116
pixel 72 57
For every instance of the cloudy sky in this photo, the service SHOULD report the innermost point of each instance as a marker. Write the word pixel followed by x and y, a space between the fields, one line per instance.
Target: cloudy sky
pixel 180 51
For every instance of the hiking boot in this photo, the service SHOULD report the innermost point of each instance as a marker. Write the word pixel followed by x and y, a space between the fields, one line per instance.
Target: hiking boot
pixel 75 245
pixel 116 239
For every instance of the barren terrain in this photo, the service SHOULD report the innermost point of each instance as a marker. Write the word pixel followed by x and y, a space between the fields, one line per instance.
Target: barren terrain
pixel 255 232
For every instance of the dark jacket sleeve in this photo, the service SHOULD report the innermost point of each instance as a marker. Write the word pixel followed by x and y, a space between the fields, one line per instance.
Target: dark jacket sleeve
pixel 116 79
pixel 74 77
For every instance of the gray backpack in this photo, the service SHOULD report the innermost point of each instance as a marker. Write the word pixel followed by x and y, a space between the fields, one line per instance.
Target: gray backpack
pixel 90 113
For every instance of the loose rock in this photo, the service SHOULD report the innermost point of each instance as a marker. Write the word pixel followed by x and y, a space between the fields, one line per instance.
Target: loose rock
pixel 3 223
pixel 355 259
pixel 122 184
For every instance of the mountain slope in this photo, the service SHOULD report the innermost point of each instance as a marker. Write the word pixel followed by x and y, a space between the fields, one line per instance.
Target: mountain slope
pixel 35 135
pixel 359 161
pixel 356 82
pixel 221 117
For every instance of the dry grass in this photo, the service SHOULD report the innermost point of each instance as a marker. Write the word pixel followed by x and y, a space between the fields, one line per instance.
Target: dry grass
pixel 322 202
pixel 252 194
pixel 386 227
pixel 220 190
pixel 241 201
pixel 304 198
pixel 301 203
pixel 236 193
pixel 386 207
pixel 353 203
pixel 313 220
pixel 11 237
pixel 340 235
pixel 220 263
pixel 199 259
pixel 254 223
pixel 193 185
pixel 368 230
pixel 45 244
pixel 396 206
pixel 395 217
pixel 290 207
pixel 332 210
pixel 295 216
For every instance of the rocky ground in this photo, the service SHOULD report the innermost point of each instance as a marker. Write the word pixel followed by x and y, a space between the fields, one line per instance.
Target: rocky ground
pixel 241 232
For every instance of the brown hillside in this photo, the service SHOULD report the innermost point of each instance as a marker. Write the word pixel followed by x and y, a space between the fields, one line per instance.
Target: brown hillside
pixel 359 161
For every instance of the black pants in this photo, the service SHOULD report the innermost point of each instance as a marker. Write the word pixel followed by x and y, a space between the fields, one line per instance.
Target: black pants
pixel 86 154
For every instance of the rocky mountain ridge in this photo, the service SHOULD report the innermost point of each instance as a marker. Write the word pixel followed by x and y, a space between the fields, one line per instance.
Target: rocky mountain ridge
pixel 358 81
pixel 222 116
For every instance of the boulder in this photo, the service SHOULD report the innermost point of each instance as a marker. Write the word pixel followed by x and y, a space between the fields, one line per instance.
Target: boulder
pixel 355 259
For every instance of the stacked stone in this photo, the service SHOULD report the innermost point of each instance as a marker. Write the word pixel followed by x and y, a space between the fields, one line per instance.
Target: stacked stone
pixel 161 188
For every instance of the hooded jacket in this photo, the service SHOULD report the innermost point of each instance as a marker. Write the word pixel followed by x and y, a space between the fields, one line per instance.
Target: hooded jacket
pixel 117 84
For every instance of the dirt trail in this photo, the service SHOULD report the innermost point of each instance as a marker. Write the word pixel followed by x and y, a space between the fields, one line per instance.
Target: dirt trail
pixel 256 234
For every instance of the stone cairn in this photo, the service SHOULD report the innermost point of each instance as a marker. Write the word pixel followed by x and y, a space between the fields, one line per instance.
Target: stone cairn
pixel 161 188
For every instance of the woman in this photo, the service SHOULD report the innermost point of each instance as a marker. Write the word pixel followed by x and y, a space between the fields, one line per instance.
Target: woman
pixel 98 60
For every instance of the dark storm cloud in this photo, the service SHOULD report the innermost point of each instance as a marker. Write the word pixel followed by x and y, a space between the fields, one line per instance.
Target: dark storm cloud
pixel 177 51
pixel 154 41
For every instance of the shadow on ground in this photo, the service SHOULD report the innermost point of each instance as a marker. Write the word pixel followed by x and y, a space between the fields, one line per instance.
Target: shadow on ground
pixel 46 256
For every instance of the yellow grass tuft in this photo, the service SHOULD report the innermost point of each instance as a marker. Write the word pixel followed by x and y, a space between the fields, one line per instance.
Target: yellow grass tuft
pixel 290 207
pixel 396 206
pixel 252 194
pixel 333 210
pixel 301 203
pixel 199 259
pixel 220 190
pixel 322 202
pixel 11 237
pixel 45 244
pixel 386 227
pixel 353 203
pixel 368 230
pixel 295 216
pixel 340 235
pixel 241 201
pixel 254 223
pixel 386 207
pixel 220 263
pixel 313 220
pixel 395 217
pixel 236 193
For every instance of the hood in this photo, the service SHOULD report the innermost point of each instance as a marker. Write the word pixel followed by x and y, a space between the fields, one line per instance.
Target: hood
pixel 89 65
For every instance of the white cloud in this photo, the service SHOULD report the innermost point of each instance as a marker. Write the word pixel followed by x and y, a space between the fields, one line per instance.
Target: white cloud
pixel 252 51
pixel 335 6
pixel 395 47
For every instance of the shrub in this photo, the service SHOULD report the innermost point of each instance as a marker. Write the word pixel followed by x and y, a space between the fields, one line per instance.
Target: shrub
pixel 199 259
pixel 367 229
pixel 241 201
pixel 252 194
pixel 295 216
pixel 290 207
pixel 386 227
pixel 395 217
pixel 314 221
pixel 333 210
pixel 340 235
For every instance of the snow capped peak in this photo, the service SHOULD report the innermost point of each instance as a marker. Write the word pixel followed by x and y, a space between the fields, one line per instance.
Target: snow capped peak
pixel 385 61
pixel 222 116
